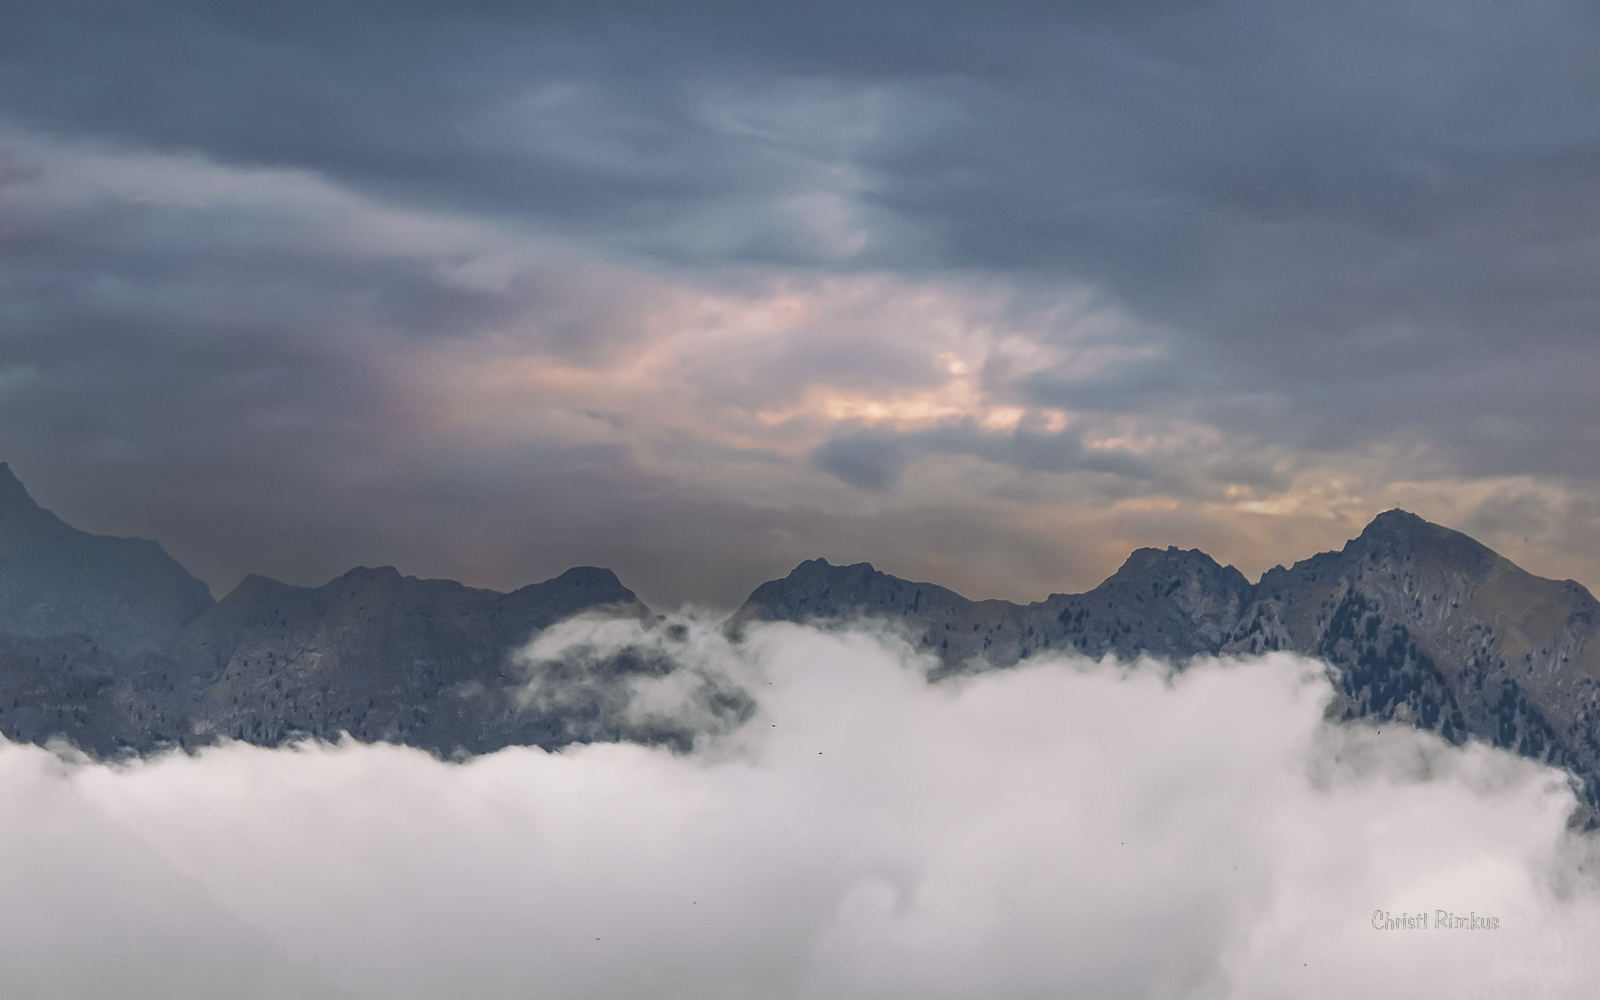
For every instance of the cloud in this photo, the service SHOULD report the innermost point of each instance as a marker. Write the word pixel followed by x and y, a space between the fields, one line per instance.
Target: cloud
pixel 865 460
pixel 259 268
pixel 666 683
pixel 332 379
pixel 1065 827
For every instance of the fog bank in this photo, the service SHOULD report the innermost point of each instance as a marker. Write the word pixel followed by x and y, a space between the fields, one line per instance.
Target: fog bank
pixel 1063 829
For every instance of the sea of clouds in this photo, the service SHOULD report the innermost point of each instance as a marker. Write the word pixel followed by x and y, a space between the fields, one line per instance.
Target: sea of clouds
pixel 1064 829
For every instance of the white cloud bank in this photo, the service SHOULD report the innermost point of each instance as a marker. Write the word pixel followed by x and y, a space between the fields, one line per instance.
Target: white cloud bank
pixel 1062 830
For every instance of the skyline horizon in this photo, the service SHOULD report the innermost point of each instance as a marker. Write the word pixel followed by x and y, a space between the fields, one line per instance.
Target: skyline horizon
pixel 1254 580
pixel 697 292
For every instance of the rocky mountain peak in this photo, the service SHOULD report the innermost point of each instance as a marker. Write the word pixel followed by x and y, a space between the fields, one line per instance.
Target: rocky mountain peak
pixel 1395 521
pixel 588 578
pixel 1174 565
pixel 1402 533
pixel 121 596
pixel 14 496
pixel 23 523
pixel 817 590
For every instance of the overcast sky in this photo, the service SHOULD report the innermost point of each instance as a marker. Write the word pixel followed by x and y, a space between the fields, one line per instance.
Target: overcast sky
pixel 986 293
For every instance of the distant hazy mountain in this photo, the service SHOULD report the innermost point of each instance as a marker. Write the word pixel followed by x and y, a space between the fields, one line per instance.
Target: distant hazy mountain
pixel 111 644
pixel 124 595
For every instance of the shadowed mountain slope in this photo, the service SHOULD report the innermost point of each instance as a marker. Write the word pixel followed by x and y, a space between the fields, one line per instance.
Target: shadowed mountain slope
pixel 382 657
pixel 1429 627
pixel 82 617
pixel 109 643
pixel 125 596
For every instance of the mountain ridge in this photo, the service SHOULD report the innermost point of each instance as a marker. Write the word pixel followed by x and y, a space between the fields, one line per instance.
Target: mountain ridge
pixel 112 644
pixel 125 593
pixel 1418 623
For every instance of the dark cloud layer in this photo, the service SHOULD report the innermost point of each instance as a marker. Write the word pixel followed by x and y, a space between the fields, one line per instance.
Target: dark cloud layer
pixel 258 265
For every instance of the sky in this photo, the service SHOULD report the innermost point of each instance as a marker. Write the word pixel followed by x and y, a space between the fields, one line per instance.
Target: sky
pixel 987 294
pixel 1066 828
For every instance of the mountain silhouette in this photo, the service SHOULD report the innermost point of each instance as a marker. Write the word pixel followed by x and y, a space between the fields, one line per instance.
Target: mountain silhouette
pixel 110 644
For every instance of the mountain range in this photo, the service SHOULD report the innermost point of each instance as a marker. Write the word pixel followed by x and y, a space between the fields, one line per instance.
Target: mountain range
pixel 110 644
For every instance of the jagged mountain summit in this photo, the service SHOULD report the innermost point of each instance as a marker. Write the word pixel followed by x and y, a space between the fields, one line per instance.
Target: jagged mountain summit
pixel 1170 603
pixel 111 644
